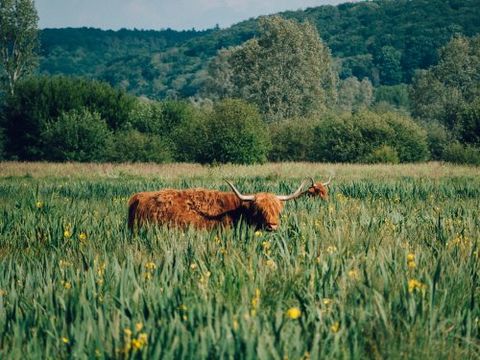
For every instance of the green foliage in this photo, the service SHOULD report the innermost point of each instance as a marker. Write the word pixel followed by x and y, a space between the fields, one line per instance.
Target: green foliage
pixel 367 36
pixel 40 100
pixel 236 134
pixel 190 138
pixel 76 136
pixel 354 138
pixel 384 154
pixel 459 153
pixel 409 140
pixel 134 146
pixel 287 71
pixel 354 95
pixel 292 139
pixel 394 95
pixel 438 139
pixel 18 41
pixel 446 89
pixel 469 123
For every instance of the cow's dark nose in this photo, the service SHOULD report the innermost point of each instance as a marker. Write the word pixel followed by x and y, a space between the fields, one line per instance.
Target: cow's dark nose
pixel 272 227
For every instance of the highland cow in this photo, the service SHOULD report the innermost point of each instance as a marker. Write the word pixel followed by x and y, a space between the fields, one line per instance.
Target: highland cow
pixel 206 209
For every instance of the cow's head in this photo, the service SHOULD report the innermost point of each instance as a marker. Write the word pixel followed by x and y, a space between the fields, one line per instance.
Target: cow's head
pixel 319 189
pixel 266 207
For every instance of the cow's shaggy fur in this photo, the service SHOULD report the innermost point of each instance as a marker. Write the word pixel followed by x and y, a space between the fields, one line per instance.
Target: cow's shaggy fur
pixel 202 209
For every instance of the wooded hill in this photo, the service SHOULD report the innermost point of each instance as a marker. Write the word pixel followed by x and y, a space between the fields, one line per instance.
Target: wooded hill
pixel 384 40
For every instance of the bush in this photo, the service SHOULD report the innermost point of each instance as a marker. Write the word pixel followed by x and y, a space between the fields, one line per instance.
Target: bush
pixel 354 138
pixel 190 139
pixel 349 138
pixel 292 140
pixel 76 136
pixel 384 154
pixel 459 153
pixel 41 100
pixel 159 118
pixel 134 146
pixel 469 123
pixel 235 133
pixel 438 139
pixel 409 140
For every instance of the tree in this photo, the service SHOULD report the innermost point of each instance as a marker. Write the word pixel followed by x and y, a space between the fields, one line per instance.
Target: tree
pixel 287 71
pixel 354 95
pixel 18 40
pixel 447 91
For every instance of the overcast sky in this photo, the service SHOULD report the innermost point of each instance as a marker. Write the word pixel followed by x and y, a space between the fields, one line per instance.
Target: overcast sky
pixel 160 14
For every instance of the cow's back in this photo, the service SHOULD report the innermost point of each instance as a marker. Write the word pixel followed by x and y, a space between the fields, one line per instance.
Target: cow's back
pixel 191 207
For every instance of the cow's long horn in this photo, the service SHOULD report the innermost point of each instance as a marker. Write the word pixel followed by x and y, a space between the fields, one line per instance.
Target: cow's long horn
pixel 297 193
pixel 328 182
pixel 239 194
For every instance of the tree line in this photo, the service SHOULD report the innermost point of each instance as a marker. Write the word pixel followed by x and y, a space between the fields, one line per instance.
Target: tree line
pixel 384 41
pixel 275 97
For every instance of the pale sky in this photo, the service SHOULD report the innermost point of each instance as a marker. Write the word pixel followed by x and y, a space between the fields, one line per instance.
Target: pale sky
pixel 161 14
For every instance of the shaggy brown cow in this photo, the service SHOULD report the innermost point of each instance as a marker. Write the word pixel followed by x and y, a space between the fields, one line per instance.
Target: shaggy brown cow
pixel 206 209
pixel 319 189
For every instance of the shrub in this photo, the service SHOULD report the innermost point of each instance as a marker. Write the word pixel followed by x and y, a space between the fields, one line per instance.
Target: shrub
pixel 134 146
pixel 349 138
pixel 384 154
pixel 76 136
pixel 438 139
pixel 469 123
pixel 235 133
pixel 459 153
pixel 292 140
pixel 190 139
pixel 354 138
pixel 409 140
pixel 41 100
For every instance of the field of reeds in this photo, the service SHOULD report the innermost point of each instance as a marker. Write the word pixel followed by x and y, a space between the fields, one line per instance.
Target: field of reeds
pixel 387 268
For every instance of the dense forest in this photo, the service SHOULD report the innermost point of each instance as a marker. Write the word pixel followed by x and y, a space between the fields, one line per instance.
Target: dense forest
pixel 384 41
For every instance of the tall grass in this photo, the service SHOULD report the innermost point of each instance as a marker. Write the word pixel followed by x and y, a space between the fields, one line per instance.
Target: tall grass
pixel 388 267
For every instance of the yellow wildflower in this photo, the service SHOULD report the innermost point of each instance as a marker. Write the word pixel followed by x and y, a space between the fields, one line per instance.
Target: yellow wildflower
pixel 255 302
pixel 82 236
pixel 258 233
pixel 150 266
pixel 136 344
pixel 39 204
pixel 65 340
pixel 415 285
pixel 331 249
pixel 335 327
pixel 183 307
pixel 235 324
pixel 143 338
pixel 138 326
pixel 193 266
pixel 127 332
pixel 271 264
pixel 294 313
pixel 148 276
pixel 411 257
pixel 327 301
pixel 353 274
pixel 67 234
pixel 67 285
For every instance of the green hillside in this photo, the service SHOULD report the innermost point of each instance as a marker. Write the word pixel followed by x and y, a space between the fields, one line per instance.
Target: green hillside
pixel 385 41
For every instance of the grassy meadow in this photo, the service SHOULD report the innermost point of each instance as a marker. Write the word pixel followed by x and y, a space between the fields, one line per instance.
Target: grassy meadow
pixel 387 268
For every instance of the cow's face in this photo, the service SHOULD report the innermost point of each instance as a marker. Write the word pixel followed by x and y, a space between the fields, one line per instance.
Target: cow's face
pixel 266 209
pixel 318 189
